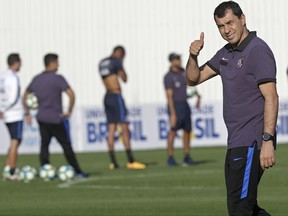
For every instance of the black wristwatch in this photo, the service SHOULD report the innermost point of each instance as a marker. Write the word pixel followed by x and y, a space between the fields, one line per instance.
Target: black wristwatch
pixel 267 137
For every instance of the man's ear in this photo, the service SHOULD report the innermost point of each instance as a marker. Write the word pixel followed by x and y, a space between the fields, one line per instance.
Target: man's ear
pixel 243 19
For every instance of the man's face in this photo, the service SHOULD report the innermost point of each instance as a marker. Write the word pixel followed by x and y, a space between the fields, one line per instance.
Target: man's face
pixel 55 65
pixel 176 62
pixel 17 66
pixel 119 54
pixel 231 27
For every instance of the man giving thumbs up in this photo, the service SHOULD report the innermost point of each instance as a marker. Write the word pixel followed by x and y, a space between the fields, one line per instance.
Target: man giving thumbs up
pixel 250 104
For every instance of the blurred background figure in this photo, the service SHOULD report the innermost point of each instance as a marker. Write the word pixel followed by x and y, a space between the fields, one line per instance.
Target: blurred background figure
pixel 11 111
pixel 48 87
pixel 178 109
pixel 111 69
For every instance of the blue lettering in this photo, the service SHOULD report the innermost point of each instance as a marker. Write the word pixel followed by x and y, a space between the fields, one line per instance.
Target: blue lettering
pixel 199 127
pixel 162 111
pixel 94 113
pixel 136 131
pixel 91 130
pixel 205 128
pixel 95 134
pixel 163 129
pixel 103 131
pixel 136 111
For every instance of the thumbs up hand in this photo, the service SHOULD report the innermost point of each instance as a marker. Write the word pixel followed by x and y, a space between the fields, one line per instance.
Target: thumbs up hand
pixel 197 45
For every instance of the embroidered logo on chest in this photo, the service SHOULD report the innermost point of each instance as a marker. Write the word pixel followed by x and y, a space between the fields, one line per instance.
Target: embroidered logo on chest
pixel 240 62
pixel 177 84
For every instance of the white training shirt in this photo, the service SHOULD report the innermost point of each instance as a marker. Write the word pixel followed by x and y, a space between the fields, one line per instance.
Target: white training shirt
pixel 10 97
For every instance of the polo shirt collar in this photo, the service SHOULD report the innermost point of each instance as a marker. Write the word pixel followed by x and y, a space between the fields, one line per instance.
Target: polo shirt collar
pixel 245 42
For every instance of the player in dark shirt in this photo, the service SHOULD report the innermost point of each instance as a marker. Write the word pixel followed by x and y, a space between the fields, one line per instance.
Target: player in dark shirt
pixel 111 69
pixel 178 109
pixel 48 87
pixel 250 104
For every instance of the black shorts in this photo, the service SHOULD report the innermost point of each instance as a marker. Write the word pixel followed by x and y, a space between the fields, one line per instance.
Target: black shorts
pixel 15 130
pixel 242 174
pixel 115 108
pixel 183 114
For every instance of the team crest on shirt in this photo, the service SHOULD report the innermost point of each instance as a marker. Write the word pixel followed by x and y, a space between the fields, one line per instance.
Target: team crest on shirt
pixel 177 84
pixel 240 62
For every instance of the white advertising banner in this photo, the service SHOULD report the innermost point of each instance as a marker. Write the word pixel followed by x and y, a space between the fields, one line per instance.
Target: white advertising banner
pixel 149 127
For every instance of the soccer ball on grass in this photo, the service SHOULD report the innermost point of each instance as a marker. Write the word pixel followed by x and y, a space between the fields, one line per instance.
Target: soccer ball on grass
pixel 47 172
pixel 27 174
pixel 66 173
pixel 6 174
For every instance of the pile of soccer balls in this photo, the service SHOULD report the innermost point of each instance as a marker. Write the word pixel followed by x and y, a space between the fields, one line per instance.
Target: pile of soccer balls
pixel 47 172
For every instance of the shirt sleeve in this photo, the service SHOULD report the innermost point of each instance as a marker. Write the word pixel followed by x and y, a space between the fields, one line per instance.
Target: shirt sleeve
pixel 118 66
pixel 214 62
pixel 168 82
pixel 11 91
pixel 63 84
pixel 264 65
pixel 30 87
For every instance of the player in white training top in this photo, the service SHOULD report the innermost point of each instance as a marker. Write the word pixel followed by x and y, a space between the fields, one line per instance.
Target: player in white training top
pixel 11 110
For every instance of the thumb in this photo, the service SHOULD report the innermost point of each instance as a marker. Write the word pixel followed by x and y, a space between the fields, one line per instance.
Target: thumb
pixel 202 37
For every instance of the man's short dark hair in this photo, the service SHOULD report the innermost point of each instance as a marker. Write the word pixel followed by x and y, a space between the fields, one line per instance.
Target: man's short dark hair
pixel 49 58
pixel 121 48
pixel 222 8
pixel 13 58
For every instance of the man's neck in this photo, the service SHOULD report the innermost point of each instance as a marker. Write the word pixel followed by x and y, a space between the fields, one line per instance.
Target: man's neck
pixel 244 35
pixel 50 70
pixel 174 69
pixel 12 69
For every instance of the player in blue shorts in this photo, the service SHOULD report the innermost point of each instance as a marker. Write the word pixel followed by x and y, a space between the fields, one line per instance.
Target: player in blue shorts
pixel 178 109
pixel 111 69
pixel 11 110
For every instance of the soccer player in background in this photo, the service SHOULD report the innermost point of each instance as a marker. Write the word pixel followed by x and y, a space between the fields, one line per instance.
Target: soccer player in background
pixel 53 122
pixel 248 71
pixel 178 109
pixel 111 69
pixel 11 110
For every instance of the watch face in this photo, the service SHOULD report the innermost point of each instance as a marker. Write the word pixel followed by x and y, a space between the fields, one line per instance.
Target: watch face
pixel 266 137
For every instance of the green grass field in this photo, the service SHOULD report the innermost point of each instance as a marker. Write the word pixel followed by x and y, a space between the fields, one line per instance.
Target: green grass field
pixel 157 191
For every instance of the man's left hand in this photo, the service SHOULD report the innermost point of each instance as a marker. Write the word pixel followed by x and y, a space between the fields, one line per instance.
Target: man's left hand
pixel 267 158
pixel 66 115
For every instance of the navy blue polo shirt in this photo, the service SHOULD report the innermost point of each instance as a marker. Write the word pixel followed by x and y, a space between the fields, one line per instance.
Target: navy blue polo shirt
pixel 177 82
pixel 242 70
pixel 110 66
pixel 48 87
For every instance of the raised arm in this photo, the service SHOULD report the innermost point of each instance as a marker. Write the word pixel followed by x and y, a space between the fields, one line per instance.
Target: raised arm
pixel 195 74
pixel 122 74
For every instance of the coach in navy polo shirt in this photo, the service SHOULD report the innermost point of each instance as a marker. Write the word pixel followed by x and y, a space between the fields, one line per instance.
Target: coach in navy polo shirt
pixel 248 71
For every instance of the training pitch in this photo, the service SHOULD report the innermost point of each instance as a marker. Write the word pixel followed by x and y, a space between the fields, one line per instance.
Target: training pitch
pixel 157 191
